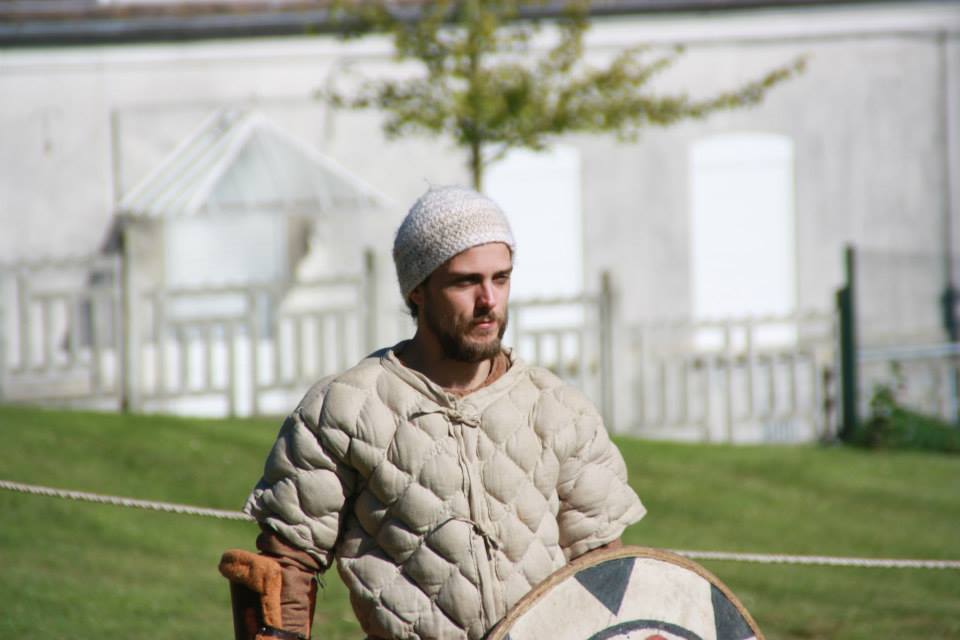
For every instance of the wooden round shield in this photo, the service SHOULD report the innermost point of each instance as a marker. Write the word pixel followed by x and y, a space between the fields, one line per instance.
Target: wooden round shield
pixel 630 593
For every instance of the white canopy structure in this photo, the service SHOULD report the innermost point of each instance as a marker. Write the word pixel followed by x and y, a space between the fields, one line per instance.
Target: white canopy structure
pixel 239 161
pixel 234 203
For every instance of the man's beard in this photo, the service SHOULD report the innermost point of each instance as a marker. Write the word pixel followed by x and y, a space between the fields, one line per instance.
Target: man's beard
pixel 454 341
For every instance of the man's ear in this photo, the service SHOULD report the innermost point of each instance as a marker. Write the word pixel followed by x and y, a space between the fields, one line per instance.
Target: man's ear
pixel 416 298
pixel 416 295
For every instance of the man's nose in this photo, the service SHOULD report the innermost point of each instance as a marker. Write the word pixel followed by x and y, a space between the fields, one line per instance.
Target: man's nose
pixel 487 296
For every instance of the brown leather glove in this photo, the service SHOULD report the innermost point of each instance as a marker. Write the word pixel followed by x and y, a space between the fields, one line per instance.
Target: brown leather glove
pixel 256 591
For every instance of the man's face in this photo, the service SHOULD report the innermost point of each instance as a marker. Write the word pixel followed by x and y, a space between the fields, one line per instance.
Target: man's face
pixel 464 302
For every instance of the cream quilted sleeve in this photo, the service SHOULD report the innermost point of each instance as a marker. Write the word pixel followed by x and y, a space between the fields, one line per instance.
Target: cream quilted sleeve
pixel 305 484
pixel 596 503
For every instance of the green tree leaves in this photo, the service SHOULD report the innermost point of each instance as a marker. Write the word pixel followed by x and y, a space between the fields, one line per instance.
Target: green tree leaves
pixel 488 88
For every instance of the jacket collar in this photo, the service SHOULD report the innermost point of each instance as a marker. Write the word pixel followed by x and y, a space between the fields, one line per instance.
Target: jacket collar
pixel 434 392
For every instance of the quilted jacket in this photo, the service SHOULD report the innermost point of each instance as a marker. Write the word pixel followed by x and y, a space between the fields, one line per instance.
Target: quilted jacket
pixel 442 511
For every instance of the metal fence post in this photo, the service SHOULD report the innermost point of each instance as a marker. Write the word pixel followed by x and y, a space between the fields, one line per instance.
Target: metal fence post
pixel 949 302
pixel 130 341
pixel 849 391
pixel 253 334
pixel 606 350
pixel 3 334
pixel 230 338
pixel 371 308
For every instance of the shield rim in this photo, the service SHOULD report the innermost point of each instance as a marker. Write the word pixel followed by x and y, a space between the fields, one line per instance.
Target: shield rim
pixel 593 558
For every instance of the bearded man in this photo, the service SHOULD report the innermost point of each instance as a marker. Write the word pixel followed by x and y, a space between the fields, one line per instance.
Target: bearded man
pixel 443 476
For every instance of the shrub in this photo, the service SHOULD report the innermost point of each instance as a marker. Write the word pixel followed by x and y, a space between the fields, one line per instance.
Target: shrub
pixel 893 426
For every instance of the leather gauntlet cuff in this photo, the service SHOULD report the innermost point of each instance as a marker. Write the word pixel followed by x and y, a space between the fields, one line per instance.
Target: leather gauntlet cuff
pixel 255 592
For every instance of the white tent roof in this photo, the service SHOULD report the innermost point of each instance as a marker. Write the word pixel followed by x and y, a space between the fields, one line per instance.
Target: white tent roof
pixel 241 162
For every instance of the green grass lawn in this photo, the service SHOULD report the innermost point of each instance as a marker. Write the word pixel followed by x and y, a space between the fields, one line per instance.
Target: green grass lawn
pixel 79 570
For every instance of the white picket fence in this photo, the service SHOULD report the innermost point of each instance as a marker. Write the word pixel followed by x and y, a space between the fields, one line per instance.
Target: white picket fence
pixel 69 335
pixel 257 353
pixel 757 379
pixel 72 335
pixel 568 335
pixel 59 337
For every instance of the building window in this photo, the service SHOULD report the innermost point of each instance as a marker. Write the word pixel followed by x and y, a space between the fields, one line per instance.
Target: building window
pixel 540 193
pixel 743 260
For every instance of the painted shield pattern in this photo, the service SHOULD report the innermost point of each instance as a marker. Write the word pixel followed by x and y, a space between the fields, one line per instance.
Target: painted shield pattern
pixel 632 593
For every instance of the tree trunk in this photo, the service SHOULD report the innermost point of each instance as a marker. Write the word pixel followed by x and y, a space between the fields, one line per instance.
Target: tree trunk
pixel 476 164
pixel 474 52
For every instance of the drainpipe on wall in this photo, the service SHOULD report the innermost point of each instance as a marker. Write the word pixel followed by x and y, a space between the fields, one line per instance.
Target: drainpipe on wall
pixel 949 299
pixel 116 165
pixel 126 384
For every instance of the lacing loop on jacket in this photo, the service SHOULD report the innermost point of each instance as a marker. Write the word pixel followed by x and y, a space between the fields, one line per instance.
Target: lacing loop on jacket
pixel 453 414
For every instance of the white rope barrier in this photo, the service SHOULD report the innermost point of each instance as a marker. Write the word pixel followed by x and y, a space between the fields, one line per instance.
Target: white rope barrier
pixel 169 507
pixel 882 563
pixel 123 502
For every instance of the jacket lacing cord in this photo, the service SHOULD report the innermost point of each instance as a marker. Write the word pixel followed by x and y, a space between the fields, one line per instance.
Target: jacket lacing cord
pixel 479 528
pixel 454 414
pixel 470 420
pixel 471 487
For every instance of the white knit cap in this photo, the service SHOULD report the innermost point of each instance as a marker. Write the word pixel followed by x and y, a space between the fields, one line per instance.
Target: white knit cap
pixel 442 223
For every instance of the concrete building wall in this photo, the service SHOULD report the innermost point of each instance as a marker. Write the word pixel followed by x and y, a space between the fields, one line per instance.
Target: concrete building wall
pixel 873 120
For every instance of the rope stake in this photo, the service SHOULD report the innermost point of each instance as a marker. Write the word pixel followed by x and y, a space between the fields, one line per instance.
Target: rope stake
pixel 763 558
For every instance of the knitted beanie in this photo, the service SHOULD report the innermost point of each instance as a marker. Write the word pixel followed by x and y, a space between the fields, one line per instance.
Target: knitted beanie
pixel 442 223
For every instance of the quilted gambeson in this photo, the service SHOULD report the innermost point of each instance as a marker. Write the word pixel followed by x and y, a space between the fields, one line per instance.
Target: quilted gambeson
pixel 443 511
